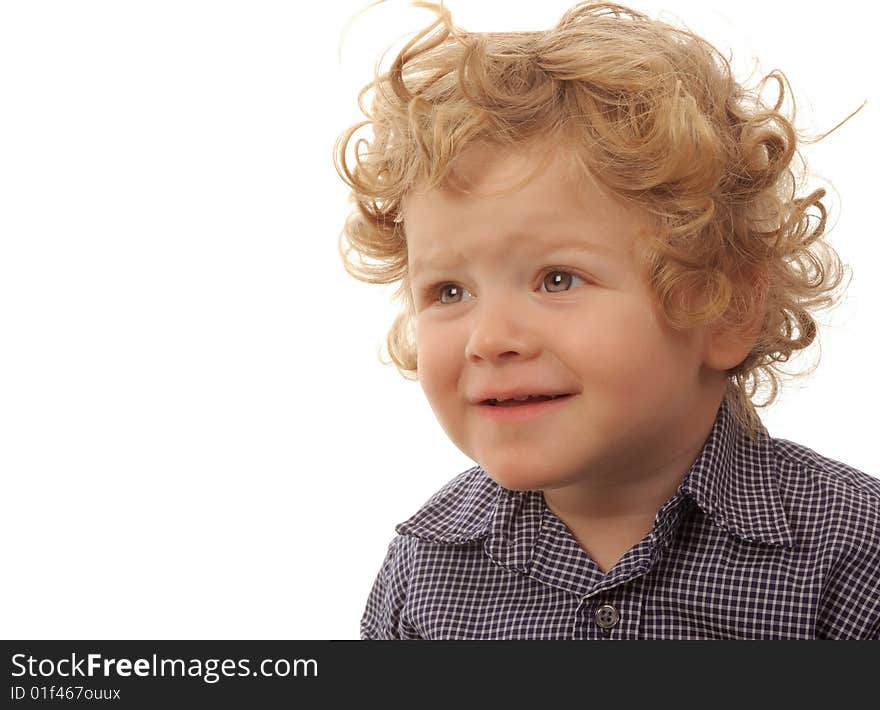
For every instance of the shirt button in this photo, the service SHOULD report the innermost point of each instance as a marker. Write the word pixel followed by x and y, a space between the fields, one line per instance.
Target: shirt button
pixel 607 616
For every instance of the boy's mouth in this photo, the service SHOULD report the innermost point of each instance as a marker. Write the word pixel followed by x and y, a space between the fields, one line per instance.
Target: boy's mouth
pixel 522 400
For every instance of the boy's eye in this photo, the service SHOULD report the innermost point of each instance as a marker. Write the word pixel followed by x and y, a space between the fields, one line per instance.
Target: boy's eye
pixel 554 280
pixel 451 288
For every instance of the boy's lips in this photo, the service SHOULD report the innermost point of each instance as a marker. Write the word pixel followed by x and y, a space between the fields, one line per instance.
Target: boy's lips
pixel 522 412
pixel 519 393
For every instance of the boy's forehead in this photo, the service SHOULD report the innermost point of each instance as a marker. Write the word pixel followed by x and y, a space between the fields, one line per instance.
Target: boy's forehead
pixel 553 204
pixel 621 250
pixel 483 168
pixel 540 176
pixel 480 164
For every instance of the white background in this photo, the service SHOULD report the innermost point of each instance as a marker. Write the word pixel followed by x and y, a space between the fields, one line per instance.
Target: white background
pixel 197 438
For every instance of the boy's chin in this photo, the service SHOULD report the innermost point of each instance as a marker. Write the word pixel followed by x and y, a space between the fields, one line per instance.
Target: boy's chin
pixel 520 481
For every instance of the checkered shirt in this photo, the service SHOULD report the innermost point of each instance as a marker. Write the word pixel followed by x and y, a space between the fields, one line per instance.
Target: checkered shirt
pixel 762 540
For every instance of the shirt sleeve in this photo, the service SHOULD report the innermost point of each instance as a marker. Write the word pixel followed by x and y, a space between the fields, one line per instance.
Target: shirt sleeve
pixel 382 618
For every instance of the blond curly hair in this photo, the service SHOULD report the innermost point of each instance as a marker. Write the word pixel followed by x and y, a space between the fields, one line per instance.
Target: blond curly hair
pixel 654 113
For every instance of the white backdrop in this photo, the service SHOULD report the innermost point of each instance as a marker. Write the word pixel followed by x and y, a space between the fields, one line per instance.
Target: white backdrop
pixel 197 439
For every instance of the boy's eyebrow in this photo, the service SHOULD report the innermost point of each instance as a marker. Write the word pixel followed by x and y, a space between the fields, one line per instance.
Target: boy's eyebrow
pixel 443 259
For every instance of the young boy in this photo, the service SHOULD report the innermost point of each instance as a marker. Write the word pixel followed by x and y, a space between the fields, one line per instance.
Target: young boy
pixel 599 253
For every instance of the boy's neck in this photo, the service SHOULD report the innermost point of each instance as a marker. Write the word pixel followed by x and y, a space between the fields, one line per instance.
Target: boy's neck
pixel 628 498
pixel 637 495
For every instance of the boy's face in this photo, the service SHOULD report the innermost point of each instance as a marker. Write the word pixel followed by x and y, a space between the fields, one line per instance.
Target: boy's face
pixel 548 296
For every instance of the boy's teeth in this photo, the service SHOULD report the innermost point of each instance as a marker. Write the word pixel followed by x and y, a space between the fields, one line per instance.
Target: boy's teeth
pixel 513 401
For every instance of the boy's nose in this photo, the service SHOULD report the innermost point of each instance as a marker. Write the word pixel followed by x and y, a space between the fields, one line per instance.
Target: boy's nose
pixel 500 333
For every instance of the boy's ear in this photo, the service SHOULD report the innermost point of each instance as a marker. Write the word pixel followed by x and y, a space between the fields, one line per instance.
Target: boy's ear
pixel 727 346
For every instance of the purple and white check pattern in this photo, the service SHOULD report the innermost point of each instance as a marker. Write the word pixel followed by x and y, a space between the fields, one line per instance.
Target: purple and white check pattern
pixel 767 540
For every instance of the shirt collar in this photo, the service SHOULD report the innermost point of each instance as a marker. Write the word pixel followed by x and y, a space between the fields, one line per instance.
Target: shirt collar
pixel 734 481
pixel 459 512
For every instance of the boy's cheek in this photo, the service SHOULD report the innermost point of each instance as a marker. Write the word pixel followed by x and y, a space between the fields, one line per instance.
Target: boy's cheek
pixel 619 347
pixel 437 369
